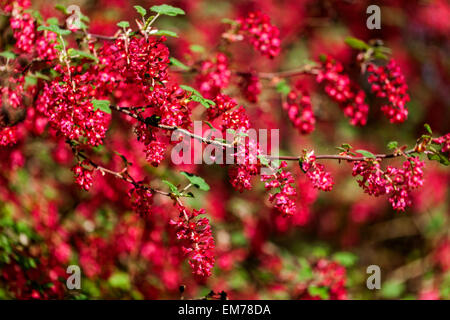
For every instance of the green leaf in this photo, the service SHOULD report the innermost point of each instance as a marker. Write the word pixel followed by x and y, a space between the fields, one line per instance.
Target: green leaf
pixel 283 87
pixel 141 10
pixel 123 24
pixel 172 187
pixel 264 161
pixel 366 154
pixel 55 29
pixel 356 43
pixel 73 53
pixel 179 64
pixel 166 33
pixel 306 272
pixel 238 239
pixel 440 157
pixel 120 280
pixel 53 21
pixel 167 10
pixel 347 259
pixel 197 181
pixel 392 145
pixel 322 292
pixel 392 289
pixel 197 48
pixel 428 128
pixel 229 21
pixel 197 97
pixel 346 146
pixel 190 89
pixel 103 105
pixel 8 55
pixel 61 8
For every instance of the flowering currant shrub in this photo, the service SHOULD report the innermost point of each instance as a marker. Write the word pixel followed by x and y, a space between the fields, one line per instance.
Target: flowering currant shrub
pixel 95 110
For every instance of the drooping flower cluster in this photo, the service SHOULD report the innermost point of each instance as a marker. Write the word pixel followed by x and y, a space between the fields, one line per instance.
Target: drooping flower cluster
pixel 320 178
pixel 14 92
pixel 283 197
pixel 223 104
pixel 389 82
pixel 23 26
pixel 198 240
pixel 8 136
pixel 142 200
pixel 83 176
pixel 300 111
pixel 342 90
pixel 394 182
pixel 264 36
pixel 444 141
pixel 250 86
pixel 71 112
pixel 236 119
pixel 329 276
pixel 214 76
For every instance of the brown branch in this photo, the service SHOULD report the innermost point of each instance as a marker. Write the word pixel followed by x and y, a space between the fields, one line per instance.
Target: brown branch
pixel 347 158
pixel 286 158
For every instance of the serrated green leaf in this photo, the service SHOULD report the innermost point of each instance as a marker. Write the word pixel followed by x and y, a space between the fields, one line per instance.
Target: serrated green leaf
pixel 197 181
pixel 8 55
pixel 197 48
pixel 322 292
pixel 53 21
pixel 141 10
pixel 61 8
pixel 356 43
pixel 123 24
pixel 392 145
pixel 366 154
pixel 190 89
pixel 73 53
pixel 172 187
pixel 167 10
pixel 103 105
pixel 392 289
pixel 55 29
pixel 178 63
pixel 120 280
pixel 166 33
pixel 347 259
pixel 283 87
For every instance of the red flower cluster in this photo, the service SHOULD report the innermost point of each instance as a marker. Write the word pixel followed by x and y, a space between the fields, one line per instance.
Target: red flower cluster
pixel 300 112
pixel 142 200
pixel 394 182
pixel 199 241
pixel 342 90
pixel 250 86
pixel 8 136
pixel 332 277
pixel 445 142
pixel 320 179
pixel 282 199
pixel 214 76
pixel 223 104
pixel 71 111
pixel 24 31
pixel 83 176
pixel 389 82
pixel 264 36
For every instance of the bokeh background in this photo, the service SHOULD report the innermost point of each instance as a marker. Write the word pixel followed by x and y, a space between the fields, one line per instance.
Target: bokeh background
pixel 259 255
